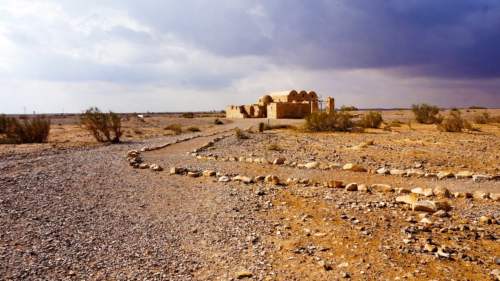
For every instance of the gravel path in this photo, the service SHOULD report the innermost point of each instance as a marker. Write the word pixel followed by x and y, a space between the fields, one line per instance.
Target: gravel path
pixel 84 214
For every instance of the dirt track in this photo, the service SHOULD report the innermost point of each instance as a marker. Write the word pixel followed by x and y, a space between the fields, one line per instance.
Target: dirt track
pixel 85 213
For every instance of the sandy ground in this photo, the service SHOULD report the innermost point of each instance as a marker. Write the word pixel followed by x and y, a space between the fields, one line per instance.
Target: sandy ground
pixel 73 209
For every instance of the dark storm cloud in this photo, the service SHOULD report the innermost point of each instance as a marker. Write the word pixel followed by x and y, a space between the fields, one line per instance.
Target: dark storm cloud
pixel 449 38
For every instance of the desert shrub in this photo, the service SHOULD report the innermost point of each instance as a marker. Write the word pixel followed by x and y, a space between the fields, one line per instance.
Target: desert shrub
pixel 176 128
pixel 193 129
pixel 454 123
pixel 482 118
pixel 105 127
pixel 240 134
pixel 188 115
pixel 4 123
pixel 494 119
pixel 348 108
pixel 322 121
pixel 138 132
pixel 477 107
pixel 426 114
pixel 372 119
pixel 217 121
pixel 35 130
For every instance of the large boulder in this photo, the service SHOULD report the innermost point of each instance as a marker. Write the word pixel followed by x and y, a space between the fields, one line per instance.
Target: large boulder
pixel 431 206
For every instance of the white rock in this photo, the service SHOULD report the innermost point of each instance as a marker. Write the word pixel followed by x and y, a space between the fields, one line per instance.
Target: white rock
pixel 444 174
pixel 383 171
pixel 415 173
pixel 156 167
pixel 480 178
pixel 427 192
pixel 224 179
pixel 464 175
pixel 353 167
pixel 243 179
pixel 381 188
pixel 397 172
pixel 311 165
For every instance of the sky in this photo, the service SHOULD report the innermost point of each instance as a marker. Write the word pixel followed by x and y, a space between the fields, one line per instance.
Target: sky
pixel 196 55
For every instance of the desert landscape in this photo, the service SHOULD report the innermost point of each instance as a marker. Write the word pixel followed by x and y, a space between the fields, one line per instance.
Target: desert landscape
pixel 283 140
pixel 227 201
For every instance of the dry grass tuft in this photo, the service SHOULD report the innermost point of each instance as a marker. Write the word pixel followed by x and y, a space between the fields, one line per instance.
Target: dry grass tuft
pixel 240 134
pixel 372 119
pixel 176 128
pixel 454 123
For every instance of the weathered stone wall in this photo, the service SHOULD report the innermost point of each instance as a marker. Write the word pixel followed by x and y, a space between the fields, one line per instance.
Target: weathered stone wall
pixel 234 112
pixel 288 110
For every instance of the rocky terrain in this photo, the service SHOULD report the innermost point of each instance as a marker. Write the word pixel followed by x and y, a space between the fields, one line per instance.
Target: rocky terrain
pixel 279 205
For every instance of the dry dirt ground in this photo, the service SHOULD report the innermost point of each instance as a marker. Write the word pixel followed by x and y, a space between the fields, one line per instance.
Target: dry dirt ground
pixel 76 210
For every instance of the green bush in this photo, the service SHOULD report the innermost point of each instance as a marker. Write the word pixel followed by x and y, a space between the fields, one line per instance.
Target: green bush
pixel 322 121
pixel 176 128
pixel 35 130
pixel 372 119
pixel 105 127
pixel 426 114
pixel 454 123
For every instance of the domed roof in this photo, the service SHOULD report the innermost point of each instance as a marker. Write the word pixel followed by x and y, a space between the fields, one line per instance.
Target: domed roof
pixel 267 99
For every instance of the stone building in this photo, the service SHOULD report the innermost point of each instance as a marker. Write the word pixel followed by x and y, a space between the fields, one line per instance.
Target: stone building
pixel 277 105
